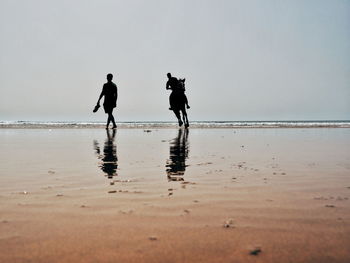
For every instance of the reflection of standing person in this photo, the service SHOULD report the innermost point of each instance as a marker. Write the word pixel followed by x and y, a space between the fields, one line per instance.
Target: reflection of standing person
pixel 110 93
pixel 109 157
pixel 176 164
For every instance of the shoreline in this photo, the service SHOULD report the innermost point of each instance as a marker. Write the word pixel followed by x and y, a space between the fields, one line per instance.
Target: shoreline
pixel 173 125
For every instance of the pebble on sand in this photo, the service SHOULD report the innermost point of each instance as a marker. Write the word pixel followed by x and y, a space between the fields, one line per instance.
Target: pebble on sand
pixel 153 238
pixel 255 251
pixel 228 223
pixel 112 191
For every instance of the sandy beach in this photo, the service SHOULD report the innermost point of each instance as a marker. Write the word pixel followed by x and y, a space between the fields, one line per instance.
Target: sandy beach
pixel 167 195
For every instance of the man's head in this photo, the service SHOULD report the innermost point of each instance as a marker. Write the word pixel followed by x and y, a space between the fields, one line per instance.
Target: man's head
pixel 169 75
pixel 109 76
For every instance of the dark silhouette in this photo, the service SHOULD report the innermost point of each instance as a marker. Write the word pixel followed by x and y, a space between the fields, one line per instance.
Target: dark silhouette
pixel 178 100
pixel 109 164
pixel 179 148
pixel 110 93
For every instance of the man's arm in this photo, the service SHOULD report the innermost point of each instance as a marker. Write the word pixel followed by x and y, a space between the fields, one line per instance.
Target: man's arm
pixel 167 85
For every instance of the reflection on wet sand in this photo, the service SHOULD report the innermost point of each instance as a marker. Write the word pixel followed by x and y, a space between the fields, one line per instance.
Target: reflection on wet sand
pixel 109 164
pixel 176 164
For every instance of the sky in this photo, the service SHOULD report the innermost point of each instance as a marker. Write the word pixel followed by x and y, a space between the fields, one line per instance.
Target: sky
pixel 242 60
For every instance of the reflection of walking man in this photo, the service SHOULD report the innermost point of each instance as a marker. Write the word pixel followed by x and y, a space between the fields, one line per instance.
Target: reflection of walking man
pixel 109 157
pixel 110 92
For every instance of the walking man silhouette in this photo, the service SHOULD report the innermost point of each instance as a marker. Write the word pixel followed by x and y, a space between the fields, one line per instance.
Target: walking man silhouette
pixel 110 93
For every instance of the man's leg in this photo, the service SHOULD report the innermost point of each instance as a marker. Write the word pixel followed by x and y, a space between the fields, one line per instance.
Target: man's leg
pixel 113 121
pixel 108 120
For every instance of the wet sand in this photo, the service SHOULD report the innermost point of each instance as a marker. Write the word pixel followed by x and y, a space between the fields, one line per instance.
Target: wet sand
pixel 164 195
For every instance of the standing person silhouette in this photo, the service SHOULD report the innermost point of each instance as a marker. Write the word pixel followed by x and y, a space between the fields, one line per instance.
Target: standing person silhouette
pixel 110 92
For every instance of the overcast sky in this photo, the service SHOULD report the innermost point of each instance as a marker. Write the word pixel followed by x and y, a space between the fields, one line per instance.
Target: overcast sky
pixel 242 60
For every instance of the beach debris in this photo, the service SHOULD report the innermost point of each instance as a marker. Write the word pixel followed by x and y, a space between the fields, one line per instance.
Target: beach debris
pixel 111 183
pixel 153 238
pixel 169 194
pixel 195 201
pixel 4 221
pixel 126 212
pixel 112 191
pixel 228 223
pixel 51 172
pixel 339 198
pixel 124 181
pixel 24 192
pixel 187 182
pixel 320 198
pixel 331 206
pixel 59 195
pixel 283 173
pixel 187 211
pixel 83 206
pixel 255 251
pixel 199 164
pixel 170 189
pixel 147 130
